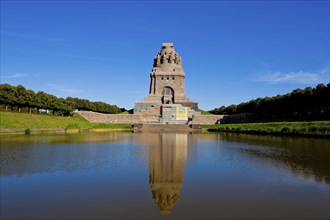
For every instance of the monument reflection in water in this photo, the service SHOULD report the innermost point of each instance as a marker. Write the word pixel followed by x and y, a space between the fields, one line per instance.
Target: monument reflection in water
pixel 105 176
pixel 167 159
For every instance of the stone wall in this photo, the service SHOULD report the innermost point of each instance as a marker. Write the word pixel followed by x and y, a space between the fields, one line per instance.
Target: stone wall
pixel 177 128
pixel 238 118
pixel 192 105
pixel 146 116
pixel 222 119
pixel 153 114
pixel 111 118
pixel 142 105
pixel 206 119
pixel 149 115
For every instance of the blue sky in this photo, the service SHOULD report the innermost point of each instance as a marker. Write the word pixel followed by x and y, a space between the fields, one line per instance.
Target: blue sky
pixel 232 51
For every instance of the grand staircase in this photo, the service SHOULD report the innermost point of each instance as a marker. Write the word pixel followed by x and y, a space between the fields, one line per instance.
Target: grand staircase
pixel 166 127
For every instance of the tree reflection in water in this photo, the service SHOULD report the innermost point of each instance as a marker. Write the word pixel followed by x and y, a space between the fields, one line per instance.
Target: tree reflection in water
pixel 309 157
pixel 105 175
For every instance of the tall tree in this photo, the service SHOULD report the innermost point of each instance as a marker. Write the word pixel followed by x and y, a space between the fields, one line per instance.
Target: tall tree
pixel 306 104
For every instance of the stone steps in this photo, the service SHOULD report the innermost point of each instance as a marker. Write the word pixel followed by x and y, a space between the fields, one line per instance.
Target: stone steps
pixel 165 127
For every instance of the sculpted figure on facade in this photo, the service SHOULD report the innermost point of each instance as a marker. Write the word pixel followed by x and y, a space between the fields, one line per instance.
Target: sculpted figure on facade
pixel 163 60
pixel 171 58
pixel 176 59
pixel 157 59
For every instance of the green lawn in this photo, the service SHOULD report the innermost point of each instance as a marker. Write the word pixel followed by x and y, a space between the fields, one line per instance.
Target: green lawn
pixel 203 112
pixel 25 120
pixel 321 128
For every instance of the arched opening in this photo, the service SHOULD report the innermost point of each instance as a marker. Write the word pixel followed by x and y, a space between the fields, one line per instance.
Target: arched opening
pixel 167 95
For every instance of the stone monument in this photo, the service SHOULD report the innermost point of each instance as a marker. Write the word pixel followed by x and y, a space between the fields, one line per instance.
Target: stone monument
pixel 166 103
pixel 167 82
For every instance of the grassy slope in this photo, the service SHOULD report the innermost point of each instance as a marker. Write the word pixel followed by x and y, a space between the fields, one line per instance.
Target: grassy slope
pixel 25 120
pixel 203 112
pixel 303 128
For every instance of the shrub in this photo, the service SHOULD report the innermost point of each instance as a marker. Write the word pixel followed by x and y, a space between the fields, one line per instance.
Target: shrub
pixel 312 129
pixel 323 129
pixel 27 131
pixel 295 131
pixel 269 130
pixel 285 130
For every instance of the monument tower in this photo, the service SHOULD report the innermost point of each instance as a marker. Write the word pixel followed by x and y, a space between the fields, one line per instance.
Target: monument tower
pixel 166 81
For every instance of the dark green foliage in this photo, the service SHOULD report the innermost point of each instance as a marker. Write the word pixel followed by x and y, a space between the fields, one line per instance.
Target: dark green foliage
pixel 86 105
pixel 312 129
pixel 307 104
pixel 285 130
pixel 131 111
pixel 27 131
pixel 309 128
pixel 17 98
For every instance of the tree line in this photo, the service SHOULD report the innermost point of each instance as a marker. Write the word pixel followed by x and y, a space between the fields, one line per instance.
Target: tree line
pixel 300 104
pixel 18 98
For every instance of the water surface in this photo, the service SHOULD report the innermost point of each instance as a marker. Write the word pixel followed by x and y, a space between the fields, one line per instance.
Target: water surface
pixel 164 175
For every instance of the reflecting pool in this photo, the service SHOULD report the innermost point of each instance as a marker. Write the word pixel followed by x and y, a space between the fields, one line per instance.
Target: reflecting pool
pixel 164 175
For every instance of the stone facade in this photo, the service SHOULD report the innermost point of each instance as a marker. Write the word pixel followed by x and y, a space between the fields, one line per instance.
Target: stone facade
pixel 154 115
pixel 150 115
pixel 166 103
pixel 238 118
pixel 166 81
pixel 171 114
pixel 206 119
pixel 110 118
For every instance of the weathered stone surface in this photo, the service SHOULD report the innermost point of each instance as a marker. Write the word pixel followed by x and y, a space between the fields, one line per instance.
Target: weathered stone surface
pixel 206 119
pixel 166 81
pixel 167 95
pixel 238 118
pixel 149 115
pixel 111 118
pixel 177 128
pixel 153 115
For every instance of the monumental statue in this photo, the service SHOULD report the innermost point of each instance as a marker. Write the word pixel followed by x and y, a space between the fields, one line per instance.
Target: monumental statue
pixel 167 102
pixel 166 81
